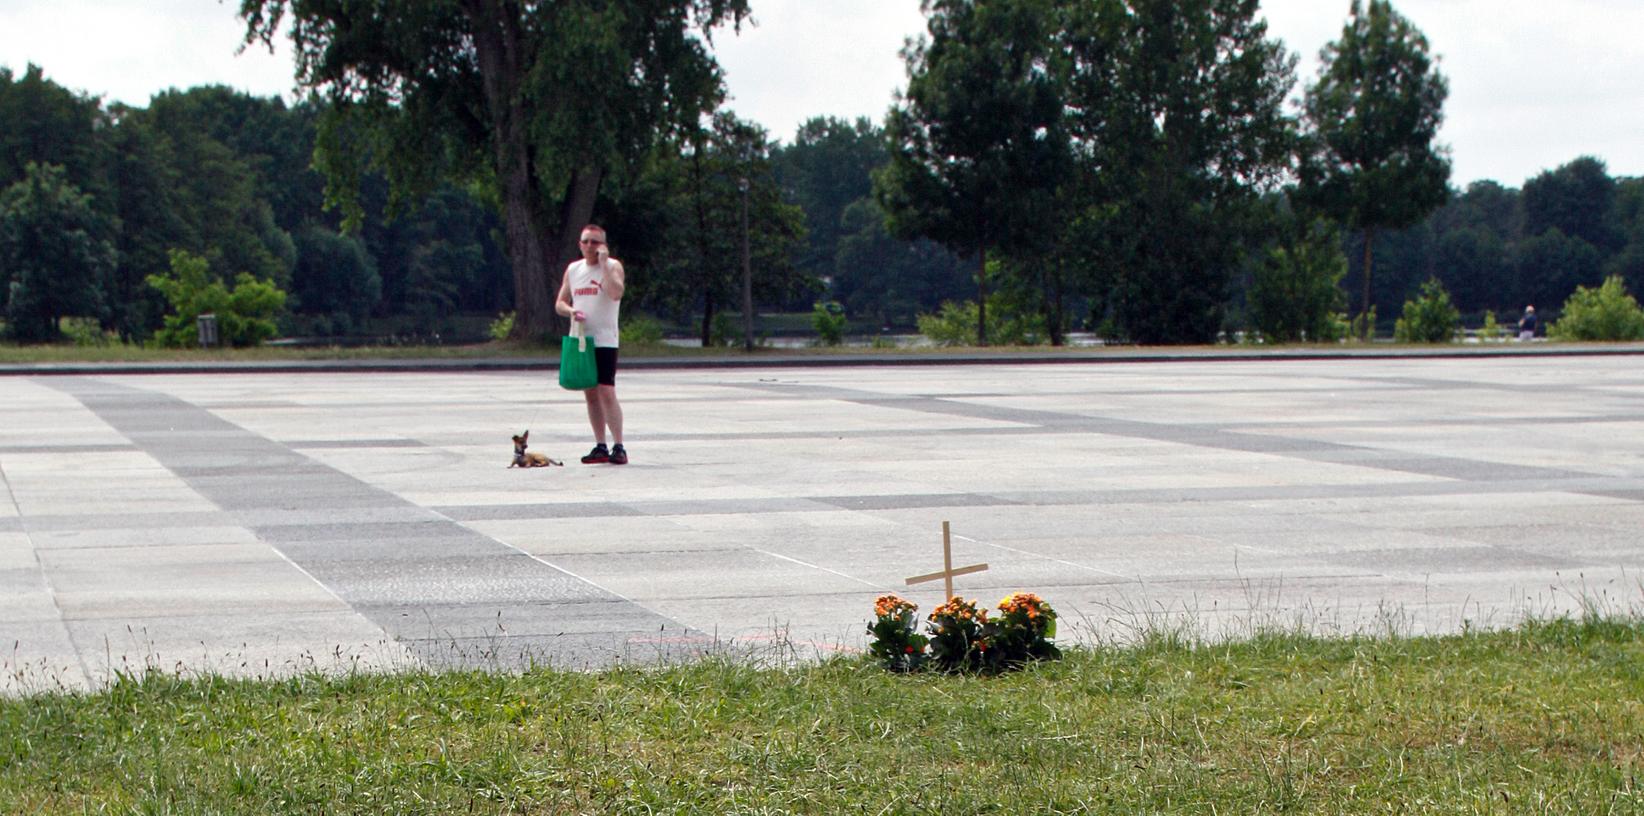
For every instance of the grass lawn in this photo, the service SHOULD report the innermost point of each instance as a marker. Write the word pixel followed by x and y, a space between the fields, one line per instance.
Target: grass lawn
pixel 1545 718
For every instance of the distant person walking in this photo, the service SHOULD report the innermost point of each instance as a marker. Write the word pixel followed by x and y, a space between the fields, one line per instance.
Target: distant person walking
pixel 1527 324
pixel 591 294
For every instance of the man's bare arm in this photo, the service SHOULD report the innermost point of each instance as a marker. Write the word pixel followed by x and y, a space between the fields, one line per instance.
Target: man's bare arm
pixel 616 279
pixel 562 302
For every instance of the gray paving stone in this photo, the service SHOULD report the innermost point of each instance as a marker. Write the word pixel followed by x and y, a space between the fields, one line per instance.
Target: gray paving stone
pixel 259 523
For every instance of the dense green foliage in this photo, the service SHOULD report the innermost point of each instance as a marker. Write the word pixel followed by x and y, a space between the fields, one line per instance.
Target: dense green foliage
pixel 702 188
pixel 1083 142
pixel 826 172
pixel 244 312
pixel 978 146
pixel 1113 164
pixel 954 324
pixel 54 260
pixel 1371 159
pixel 539 102
pixel 1182 107
pixel 1541 719
pixel 1429 318
pixel 1607 312
pixel 1295 294
pixel 828 320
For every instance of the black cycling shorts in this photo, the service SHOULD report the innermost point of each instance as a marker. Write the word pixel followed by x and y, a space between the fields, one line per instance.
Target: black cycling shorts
pixel 605 361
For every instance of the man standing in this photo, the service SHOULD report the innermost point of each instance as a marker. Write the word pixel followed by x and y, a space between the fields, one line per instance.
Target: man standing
pixel 591 293
pixel 1527 324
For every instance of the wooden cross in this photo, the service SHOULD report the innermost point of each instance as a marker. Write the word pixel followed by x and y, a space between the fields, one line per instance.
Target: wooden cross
pixel 948 572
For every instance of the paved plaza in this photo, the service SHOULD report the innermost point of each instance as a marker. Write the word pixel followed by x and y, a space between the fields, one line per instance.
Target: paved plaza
pixel 258 524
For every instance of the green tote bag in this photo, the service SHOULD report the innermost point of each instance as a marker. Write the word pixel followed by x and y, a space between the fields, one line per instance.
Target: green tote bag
pixel 577 371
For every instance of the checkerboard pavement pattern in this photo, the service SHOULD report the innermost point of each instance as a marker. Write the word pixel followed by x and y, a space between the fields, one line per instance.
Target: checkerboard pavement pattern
pixel 259 524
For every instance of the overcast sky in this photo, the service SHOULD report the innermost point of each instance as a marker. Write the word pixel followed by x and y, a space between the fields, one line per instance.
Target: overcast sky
pixel 1532 84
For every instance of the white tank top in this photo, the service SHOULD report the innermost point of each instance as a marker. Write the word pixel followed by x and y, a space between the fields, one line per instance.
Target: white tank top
pixel 588 296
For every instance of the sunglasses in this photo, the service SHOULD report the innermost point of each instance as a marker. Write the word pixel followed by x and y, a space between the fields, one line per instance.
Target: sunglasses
pixel 592 241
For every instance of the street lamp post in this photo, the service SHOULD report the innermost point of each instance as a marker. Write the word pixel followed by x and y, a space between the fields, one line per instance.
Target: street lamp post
pixel 747 273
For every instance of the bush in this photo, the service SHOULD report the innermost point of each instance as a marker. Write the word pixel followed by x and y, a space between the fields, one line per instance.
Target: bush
pixel 641 330
pixel 725 330
pixel 1605 313
pixel 1491 330
pixel 1363 325
pixel 86 332
pixel 955 325
pixel 1295 294
pixel 245 313
pixel 1430 318
pixel 500 328
pixel 828 319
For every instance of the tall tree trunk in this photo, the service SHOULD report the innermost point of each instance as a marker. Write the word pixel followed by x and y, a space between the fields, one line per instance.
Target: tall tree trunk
pixel 1053 320
pixel 707 319
pixel 1369 241
pixel 499 45
pixel 699 208
pixel 575 213
pixel 981 296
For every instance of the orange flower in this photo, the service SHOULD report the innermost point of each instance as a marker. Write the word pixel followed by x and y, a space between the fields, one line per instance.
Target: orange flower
pixel 890 606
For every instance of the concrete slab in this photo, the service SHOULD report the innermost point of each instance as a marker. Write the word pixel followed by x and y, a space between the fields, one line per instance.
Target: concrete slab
pixel 259 523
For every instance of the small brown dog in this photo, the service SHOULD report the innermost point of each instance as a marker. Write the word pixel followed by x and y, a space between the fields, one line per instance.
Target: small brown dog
pixel 530 460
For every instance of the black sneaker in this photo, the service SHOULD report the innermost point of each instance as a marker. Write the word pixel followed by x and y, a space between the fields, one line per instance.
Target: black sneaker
pixel 619 456
pixel 597 455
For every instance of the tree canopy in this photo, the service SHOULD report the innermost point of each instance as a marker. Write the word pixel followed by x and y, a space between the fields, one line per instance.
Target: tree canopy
pixel 540 100
pixel 977 144
pixel 55 257
pixel 1373 161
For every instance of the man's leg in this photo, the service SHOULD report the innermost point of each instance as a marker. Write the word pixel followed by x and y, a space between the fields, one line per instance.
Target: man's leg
pixel 596 412
pixel 611 410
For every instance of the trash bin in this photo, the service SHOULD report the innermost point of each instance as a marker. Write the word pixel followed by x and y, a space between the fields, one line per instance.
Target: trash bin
pixel 207 324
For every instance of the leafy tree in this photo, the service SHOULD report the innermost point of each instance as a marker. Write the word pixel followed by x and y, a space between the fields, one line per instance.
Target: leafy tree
pixel 334 276
pixel 145 181
pixel 826 170
pixel 245 313
pixel 1404 258
pixel 274 142
pixel 45 123
pixel 889 279
pixel 1551 265
pixel 1177 111
pixel 1430 318
pixel 1484 205
pixel 1374 114
pixel 1608 312
pixel 1629 218
pixel 1575 199
pixel 1296 294
pixel 701 265
pixel 542 100
pixel 1472 263
pixel 54 260
pixel 212 192
pixel 976 144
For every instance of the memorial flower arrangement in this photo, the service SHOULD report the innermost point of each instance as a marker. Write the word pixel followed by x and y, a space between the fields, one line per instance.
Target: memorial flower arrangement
pixel 1024 628
pixel 962 637
pixel 959 636
pixel 896 640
